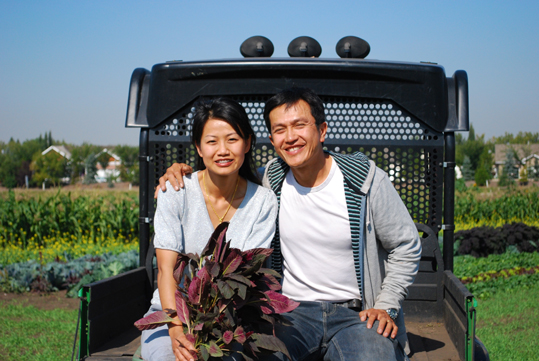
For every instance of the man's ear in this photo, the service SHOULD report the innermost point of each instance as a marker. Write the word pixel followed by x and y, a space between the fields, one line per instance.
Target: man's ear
pixel 271 140
pixel 323 129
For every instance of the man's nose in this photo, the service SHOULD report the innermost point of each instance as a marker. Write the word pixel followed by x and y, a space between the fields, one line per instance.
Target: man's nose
pixel 291 135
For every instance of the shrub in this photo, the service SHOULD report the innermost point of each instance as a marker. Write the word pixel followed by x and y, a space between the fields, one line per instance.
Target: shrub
pixel 483 241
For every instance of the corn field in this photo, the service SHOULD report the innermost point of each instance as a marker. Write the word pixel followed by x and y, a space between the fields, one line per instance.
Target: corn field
pixel 512 206
pixel 35 222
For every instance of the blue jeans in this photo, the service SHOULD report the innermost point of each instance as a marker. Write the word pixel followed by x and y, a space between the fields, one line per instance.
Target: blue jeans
pixel 323 330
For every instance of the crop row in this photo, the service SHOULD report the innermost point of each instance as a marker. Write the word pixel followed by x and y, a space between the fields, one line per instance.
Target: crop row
pixel 34 222
pixel 520 206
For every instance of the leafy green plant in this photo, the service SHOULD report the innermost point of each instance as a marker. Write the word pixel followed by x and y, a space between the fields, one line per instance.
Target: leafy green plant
pixel 32 275
pixel 227 299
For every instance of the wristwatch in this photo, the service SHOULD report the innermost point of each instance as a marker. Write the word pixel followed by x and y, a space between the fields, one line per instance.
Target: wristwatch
pixel 393 313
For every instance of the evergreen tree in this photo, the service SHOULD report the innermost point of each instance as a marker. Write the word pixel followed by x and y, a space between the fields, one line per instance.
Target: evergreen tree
pixel 467 171
pixel 91 169
pixel 509 172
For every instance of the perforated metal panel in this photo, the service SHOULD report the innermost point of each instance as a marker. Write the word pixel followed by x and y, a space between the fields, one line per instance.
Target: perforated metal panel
pixel 410 152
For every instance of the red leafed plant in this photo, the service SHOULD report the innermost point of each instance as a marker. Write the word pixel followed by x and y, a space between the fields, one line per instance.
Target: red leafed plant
pixel 227 298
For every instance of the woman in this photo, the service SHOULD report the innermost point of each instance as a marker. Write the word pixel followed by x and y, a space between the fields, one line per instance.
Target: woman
pixel 225 189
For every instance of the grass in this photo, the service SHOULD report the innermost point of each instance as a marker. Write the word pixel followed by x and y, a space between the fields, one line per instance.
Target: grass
pixel 27 333
pixel 507 324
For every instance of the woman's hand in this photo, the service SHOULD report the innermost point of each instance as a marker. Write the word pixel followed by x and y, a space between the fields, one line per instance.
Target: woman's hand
pixel 182 348
pixel 174 175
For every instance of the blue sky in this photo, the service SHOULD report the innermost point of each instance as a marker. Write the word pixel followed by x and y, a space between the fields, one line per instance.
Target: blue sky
pixel 65 65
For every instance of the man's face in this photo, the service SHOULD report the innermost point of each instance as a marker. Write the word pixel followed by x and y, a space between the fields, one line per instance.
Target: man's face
pixel 295 136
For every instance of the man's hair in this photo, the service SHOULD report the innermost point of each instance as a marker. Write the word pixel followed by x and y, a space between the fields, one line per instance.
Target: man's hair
pixel 292 96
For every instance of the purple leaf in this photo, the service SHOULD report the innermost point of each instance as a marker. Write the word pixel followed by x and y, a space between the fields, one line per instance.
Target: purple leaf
pixel 190 337
pixel 212 268
pixel 232 262
pixel 179 268
pixel 194 291
pixel 228 336
pixel 280 303
pixel 239 334
pixel 270 342
pixel 153 320
pixel 198 327
pixel 249 254
pixel 212 242
pixel 270 282
pixel 225 289
pixel 214 350
pixel 181 308
pixel 247 358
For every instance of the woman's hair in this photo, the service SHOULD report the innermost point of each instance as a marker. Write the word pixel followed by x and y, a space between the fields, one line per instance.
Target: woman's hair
pixel 233 113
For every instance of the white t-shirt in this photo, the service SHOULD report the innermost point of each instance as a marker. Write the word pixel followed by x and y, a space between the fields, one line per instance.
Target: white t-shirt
pixel 318 263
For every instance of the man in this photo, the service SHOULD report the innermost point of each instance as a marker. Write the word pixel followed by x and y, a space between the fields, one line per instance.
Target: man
pixel 345 242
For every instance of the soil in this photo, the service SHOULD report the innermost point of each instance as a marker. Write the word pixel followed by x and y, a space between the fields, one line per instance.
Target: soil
pixel 41 301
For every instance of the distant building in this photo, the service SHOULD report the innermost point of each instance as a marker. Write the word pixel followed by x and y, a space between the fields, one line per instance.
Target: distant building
pixel 528 154
pixel 60 149
pixel 112 168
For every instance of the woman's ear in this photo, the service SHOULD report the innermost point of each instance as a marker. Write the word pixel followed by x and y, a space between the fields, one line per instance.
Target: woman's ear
pixel 198 150
pixel 248 145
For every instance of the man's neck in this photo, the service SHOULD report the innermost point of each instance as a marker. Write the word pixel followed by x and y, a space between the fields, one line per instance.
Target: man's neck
pixel 314 173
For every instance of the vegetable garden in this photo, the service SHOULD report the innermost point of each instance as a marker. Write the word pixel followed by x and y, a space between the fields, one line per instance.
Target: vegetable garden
pixel 60 240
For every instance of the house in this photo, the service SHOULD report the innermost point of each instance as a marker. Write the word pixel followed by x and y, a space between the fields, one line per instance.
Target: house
pixel 64 152
pixel 528 154
pixel 60 149
pixel 111 170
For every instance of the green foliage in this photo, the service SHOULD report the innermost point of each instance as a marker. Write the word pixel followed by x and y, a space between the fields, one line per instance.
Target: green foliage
pixel 50 167
pixel 29 221
pixel 482 176
pixel 468 266
pixel 15 159
pixel 519 206
pixel 507 322
pixel 520 138
pixel 28 333
pixel 129 169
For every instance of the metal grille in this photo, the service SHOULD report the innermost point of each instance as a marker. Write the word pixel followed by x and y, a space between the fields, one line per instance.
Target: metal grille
pixel 408 151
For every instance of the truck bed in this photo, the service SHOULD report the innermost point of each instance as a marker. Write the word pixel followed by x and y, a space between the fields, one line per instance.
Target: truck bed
pixel 428 341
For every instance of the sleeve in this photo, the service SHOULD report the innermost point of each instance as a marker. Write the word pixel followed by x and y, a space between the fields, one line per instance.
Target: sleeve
pixel 263 229
pixel 397 233
pixel 167 223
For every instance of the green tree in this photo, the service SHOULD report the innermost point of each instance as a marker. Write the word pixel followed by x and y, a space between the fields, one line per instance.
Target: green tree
pixel 79 155
pixel 129 169
pixel 49 167
pixel 15 159
pixel 481 176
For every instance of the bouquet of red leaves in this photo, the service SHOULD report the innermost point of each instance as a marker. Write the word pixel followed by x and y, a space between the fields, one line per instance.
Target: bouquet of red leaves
pixel 227 298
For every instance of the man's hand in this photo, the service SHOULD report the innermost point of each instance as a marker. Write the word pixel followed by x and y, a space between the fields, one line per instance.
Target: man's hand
pixel 174 175
pixel 182 348
pixel 386 326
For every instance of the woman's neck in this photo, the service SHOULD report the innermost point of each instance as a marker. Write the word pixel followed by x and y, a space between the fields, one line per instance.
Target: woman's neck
pixel 219 186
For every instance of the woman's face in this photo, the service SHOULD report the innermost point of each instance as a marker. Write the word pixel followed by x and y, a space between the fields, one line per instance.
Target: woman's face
pixel 221 148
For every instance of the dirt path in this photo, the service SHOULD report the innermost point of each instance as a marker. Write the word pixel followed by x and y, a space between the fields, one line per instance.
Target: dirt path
pixel 49 301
